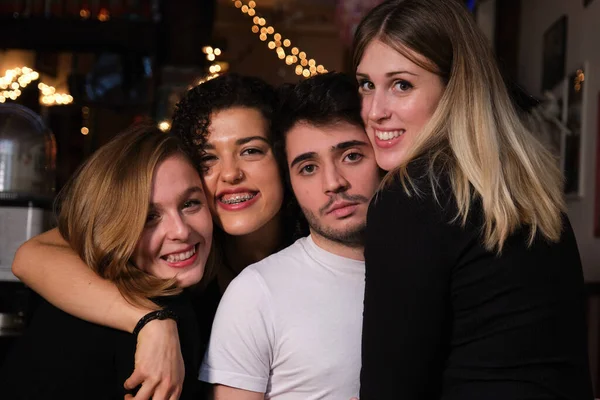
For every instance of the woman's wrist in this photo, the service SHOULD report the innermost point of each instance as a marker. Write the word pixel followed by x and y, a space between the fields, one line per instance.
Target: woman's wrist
pixel 160 315
pixel 129 316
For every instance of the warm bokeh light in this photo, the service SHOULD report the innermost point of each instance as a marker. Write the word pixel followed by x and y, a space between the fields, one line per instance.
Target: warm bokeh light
pixel 164 126
pixel 18 78
pixel 277 43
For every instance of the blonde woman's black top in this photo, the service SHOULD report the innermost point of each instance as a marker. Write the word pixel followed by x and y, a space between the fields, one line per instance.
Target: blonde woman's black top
pixel 446 319
pixel 63 357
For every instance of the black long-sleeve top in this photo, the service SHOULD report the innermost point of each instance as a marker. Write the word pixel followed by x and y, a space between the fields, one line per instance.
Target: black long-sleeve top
pixel 63 357
pixel 446 319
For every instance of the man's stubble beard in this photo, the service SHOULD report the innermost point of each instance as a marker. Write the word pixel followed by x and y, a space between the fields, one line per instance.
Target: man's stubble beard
pixel 352 237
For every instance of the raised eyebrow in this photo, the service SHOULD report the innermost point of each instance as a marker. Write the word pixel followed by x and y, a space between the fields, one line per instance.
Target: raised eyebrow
pixel 387 74
pixel 348 144
pixel 250 139
pixel 392 73
pixel 239 142
pixel 303 157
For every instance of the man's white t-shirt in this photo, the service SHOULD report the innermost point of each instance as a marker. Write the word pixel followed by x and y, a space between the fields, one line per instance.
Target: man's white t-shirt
pixel 290 326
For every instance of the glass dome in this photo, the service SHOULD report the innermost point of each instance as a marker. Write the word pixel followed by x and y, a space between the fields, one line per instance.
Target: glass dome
pixel 27 155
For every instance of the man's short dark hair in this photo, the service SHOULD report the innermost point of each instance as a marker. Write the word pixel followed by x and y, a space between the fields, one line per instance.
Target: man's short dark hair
pixel 322 100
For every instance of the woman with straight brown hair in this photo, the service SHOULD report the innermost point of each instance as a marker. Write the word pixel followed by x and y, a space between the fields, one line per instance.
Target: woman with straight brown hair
pixel 474 286
pixel 136 213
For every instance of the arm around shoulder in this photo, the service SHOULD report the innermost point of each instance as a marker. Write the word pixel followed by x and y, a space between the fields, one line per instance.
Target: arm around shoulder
pixel 35 252
pixel 49 266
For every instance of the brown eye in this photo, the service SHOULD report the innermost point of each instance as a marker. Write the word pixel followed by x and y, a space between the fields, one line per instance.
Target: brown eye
pixel 353 157
pixel 402 86
pixel 365 85
pixel 252 152
pixel 307 169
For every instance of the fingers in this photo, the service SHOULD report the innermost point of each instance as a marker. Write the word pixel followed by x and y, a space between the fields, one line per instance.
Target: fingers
pixel 156 391
pixel 134 380
pixel 175 395
pixel 146 392
pixel 159 366
pixel 163 392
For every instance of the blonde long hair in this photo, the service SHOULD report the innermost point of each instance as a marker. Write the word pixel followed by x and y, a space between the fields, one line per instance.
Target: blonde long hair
pixel 103 210
pixel 475 135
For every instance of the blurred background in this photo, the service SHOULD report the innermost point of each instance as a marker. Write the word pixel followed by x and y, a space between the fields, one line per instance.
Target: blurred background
pixel 79 71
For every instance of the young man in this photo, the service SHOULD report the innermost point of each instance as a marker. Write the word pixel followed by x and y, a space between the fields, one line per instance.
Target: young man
pixel 289 327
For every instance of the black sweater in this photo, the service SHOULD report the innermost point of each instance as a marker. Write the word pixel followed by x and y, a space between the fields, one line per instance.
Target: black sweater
pixel 63 357
pixel 446 319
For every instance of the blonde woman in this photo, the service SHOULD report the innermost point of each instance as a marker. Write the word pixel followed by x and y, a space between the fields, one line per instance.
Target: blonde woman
pixel 474 287
pixel 136 213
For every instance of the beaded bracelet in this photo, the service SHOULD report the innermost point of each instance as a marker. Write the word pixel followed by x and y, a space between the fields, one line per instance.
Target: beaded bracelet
pixel 152 315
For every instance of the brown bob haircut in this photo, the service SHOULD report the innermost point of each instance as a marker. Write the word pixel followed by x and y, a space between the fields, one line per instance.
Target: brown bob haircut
pixel 102 210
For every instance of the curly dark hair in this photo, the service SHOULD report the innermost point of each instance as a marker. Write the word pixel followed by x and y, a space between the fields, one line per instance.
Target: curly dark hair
pixel 191 122
pixel 191 118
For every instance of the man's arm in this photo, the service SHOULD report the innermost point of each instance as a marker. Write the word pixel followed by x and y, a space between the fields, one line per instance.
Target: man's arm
pixel 50 267
pixel 222 392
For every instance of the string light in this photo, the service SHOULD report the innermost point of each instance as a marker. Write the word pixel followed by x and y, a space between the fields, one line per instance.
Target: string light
pixel 277 41
pixel 103 15
pixel 214 70
pixel 18 78
pixel 164 126
pixel 85 117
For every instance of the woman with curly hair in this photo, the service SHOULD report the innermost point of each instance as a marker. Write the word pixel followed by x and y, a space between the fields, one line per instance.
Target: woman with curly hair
pixel 227 121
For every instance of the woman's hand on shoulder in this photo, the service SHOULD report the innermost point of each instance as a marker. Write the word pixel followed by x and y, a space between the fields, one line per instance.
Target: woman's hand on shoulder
pixel 159 364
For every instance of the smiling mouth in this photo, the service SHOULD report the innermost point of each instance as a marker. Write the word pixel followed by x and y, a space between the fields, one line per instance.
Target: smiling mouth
pixel 389 135
pixel 237 198
pixel 178 257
